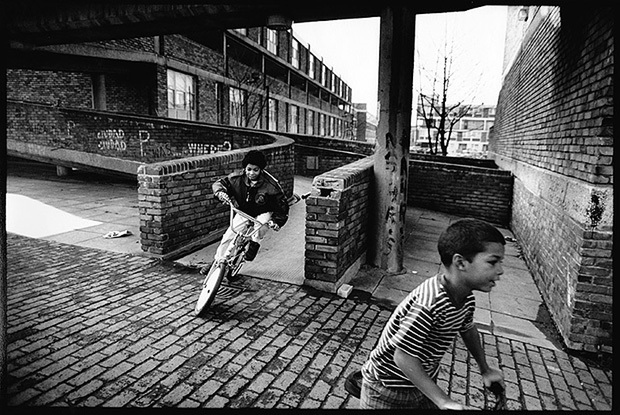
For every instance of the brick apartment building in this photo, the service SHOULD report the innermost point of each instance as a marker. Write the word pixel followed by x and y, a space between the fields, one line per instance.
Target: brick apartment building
pixel 469 136
pixel 255 77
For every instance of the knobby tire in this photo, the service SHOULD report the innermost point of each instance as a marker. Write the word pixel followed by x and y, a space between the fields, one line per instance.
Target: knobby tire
pixel 210 286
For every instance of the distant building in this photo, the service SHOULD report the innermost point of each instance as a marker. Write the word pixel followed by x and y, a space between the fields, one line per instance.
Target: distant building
pixel 470 135
pixel 255 77
pixel 365 125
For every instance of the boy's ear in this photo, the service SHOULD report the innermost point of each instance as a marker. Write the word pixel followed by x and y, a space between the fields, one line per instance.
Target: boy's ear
pixel 459 261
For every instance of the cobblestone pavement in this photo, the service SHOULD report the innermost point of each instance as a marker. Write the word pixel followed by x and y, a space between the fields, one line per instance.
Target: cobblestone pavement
pixel 92 328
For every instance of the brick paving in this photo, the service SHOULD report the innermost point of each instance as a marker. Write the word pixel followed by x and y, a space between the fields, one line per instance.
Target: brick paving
pixel 92 328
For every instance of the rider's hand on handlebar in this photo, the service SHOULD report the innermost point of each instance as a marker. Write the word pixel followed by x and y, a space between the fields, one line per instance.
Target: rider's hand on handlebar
pixel 225 198
pixel 273 225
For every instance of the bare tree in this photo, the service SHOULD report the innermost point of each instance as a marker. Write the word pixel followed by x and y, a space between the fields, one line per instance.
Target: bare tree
pixel 253 88
pixel 440 115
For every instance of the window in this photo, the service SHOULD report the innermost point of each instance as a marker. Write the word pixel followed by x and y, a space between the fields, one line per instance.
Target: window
pixel 181 96
pixel 295 54
pixel 272 41
pixel 311 71
pixel 476 125
pixel 321 124
pixel 236 107
pixel 323 75
pixel 273 115
pixel 293 119
pixel 242 31
pixel 310 122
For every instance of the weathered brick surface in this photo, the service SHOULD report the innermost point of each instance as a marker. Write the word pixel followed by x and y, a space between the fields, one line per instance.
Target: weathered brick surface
pixel 336 217
pixel 177 207
pixel 274 367
pixel 480 192
pixel 554 127
pixel 135 138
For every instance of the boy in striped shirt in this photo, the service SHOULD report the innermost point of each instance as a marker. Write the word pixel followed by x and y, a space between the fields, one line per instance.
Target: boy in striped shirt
pixel 401 371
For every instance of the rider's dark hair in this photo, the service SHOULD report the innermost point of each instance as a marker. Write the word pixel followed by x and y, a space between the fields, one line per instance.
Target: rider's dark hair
pixel 467 237
pixel 256 158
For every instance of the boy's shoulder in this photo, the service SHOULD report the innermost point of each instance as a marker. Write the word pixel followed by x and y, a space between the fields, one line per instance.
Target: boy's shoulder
pixel 426 293
pixel 270 178
pixel 236 174
pixel 271 181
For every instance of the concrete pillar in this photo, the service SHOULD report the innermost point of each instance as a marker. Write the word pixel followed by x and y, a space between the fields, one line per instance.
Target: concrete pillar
pixel 391 159
pixel 99 96
pixel 62 171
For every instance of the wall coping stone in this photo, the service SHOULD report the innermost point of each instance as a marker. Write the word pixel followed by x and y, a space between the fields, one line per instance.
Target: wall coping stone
pixel 192 163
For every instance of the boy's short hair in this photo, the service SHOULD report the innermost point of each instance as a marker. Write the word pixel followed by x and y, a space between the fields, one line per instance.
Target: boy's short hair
pixel 255 157
pixel 467 237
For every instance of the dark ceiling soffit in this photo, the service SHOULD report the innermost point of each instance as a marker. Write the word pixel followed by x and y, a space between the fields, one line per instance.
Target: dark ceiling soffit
pixel 71 22
pixel 45 60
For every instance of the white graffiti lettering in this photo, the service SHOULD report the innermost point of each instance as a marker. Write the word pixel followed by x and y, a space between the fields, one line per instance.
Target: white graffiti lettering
pixel 110 144
pixel 143 136
pixel 70 126
pixel 198 149
pixel 111 134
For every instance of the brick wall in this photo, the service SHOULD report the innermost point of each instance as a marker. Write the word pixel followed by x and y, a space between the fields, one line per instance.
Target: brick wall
pixel 336 224
pixel 143 139
pixel 554 130
pixel 67 89
pixel 556 108
pixel 178 212
pixel 479 192
pixel 571 265
pixel 316 155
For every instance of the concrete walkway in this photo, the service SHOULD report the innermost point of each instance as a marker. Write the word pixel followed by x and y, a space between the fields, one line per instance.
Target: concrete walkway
pixel 92 322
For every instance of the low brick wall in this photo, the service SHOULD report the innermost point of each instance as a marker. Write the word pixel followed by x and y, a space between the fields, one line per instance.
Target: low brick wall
pixel 316 155
pixel 313 161
pixel 178 211
pixel 112 141
pixel 336 224
pixel 479 192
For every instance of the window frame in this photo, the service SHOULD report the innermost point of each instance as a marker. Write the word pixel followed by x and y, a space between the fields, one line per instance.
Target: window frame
pixel 181 86
pixel 237 107
pixel 272 41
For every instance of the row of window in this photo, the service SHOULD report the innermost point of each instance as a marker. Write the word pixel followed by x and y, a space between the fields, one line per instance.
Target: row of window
pixel 458 135
pixel 326 125
pixel 331 81
pixel 182 105
pixel 463 124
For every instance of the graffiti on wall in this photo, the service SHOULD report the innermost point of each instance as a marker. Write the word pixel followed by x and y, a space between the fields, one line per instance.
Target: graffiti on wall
pixel 126 139
pixel 397 190
pixel 111 140
pixel 199 149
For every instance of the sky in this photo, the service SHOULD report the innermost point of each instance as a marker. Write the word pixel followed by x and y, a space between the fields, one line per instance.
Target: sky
pixel 351 48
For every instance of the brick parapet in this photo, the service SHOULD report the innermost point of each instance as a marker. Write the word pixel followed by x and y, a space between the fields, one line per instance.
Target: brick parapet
pixel 178 212
pixel 120 136
pixel 466 190
pixel 336 218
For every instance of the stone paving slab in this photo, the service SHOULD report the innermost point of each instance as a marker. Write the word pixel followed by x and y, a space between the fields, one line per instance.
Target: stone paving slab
pixel 93 328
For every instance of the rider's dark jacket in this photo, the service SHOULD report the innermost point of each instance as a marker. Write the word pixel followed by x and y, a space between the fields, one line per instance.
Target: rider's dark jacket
pixel 266 196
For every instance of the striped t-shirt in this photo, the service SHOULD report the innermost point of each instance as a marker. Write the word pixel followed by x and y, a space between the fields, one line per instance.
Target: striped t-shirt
pixel 423 325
